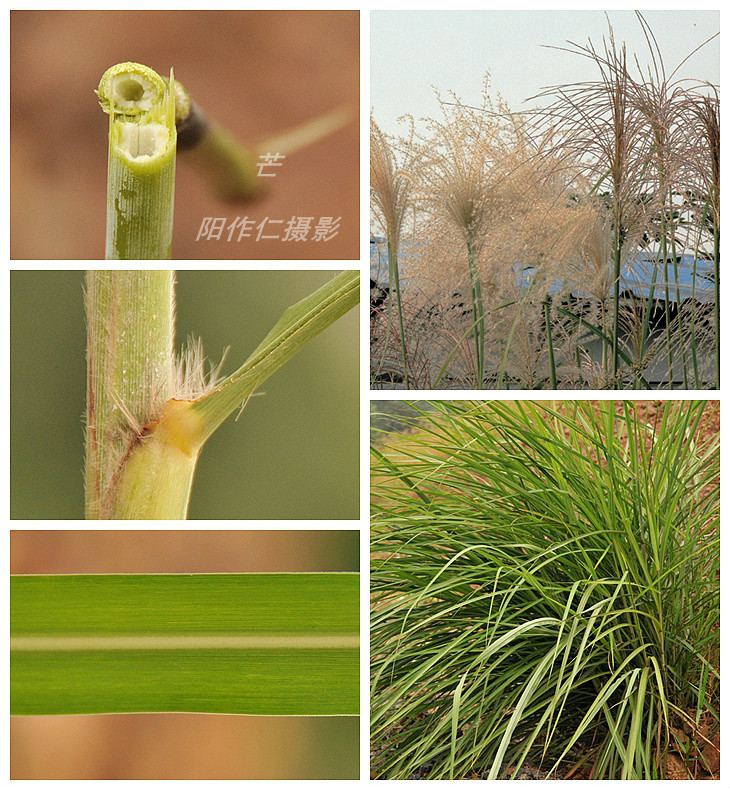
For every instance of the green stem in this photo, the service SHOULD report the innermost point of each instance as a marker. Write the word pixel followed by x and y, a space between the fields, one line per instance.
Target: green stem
pixel 549 336
pixel 716 309
pixel 606 346
pixel 680 331
pixel 693 320
pixel 395 280
pixel 579 365
pixel 670 360
pixel 141 169
pixel 219 158
pixel 616 291
pixel 230 168
pixel 478 310
pixel 647 315
pixel 130 357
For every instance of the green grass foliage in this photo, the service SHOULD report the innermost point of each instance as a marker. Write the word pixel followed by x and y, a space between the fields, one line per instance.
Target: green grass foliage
pixel 545 585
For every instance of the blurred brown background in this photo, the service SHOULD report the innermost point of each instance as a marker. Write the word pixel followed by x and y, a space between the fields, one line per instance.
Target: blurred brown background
pixel 183 746
pixel 258 73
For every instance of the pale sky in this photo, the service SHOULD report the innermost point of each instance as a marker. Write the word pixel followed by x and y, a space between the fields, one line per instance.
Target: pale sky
pixel 411 51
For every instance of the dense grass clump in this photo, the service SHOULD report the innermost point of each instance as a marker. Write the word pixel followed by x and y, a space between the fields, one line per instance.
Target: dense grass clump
pixel 545 585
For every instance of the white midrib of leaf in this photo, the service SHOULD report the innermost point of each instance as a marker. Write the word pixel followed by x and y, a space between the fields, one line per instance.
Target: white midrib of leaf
pixel 276 641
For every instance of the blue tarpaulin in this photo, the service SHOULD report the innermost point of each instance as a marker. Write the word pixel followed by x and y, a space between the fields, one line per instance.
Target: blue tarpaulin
pixel 687 276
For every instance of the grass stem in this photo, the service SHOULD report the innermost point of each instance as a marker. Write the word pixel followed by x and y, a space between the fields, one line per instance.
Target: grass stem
pixel 130 359
pixel 141 168
pixel 394 276
pixel 478 310
pixel 227 165
pixel 549 338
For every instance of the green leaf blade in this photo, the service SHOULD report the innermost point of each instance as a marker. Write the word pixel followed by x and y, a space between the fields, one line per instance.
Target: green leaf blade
pixel 276 682
pixel 255 644
pixel 298 325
